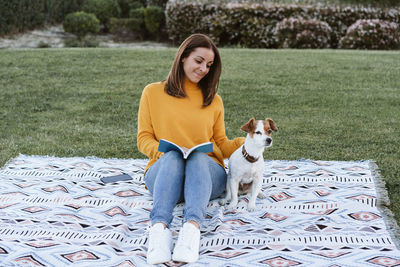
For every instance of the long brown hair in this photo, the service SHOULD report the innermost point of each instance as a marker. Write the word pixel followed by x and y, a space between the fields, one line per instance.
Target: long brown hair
pixel 209 83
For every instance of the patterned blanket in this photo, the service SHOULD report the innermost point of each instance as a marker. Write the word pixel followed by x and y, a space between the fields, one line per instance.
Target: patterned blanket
pixel 57 212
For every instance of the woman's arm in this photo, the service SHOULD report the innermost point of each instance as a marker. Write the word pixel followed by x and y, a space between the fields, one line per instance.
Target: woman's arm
pixel 226 145
pixel 146 141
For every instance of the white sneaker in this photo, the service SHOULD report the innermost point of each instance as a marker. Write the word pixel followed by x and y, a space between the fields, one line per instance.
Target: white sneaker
pixel 160 244
pixel 188 244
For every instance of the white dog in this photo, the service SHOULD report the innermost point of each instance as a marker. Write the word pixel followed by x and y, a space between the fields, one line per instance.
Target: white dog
pixel 246 164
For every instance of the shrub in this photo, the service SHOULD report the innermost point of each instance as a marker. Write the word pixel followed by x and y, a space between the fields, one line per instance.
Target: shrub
pixel 372 34
pixel 385 3
pixel 21 15
pixel 141 22
pixel 137 22
pixel 103 9
pixel 81 23
pixel 81 43
pixel 127 28
pixel 153 18
pixel 43 44
pixel 249 32
pixel 256 33
pixel 303 33
pixel 252 24
pixel 216 29
pixel 160 3
pixel 127 5
pixel 56 10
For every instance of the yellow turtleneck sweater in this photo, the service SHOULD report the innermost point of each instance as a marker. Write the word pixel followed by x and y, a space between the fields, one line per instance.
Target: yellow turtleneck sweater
pixel 182 121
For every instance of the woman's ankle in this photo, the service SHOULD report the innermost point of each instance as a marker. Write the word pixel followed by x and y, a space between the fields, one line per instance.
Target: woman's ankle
pixel 164 225
pixel 194 223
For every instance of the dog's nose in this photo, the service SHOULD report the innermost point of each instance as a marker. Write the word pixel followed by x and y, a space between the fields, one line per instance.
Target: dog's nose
pixel 269 141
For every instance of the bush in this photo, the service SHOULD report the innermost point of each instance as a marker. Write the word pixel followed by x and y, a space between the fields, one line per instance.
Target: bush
pixel 385 3
pixel 22 15
pixel 303 33
pixel 257 34
pixel 252 24
pixel 127 28
pixel 137 22
pixel 127 5
pixel 372 34
pixel 81 23
pixel 141 23
pixel 43 44
pixel 81 43
pixel 160 3
pixel 56 10
pixel 103 9
pixel 153 18
pixel 248 32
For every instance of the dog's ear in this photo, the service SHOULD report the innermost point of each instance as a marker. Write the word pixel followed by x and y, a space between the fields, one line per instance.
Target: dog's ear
pixel 272 124
pixel 250 126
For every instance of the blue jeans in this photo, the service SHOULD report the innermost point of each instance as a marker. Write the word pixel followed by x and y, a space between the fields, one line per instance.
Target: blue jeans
pixel 172 179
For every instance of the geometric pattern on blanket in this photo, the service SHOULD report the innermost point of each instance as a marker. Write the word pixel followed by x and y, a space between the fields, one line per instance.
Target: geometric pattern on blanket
pixel 56 212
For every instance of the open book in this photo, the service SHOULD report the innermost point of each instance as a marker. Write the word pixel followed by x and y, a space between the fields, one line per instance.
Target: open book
pixel 166 146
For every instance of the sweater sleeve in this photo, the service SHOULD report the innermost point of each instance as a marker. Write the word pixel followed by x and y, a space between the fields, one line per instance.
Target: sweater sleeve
pixel 226 145
pixel 146 141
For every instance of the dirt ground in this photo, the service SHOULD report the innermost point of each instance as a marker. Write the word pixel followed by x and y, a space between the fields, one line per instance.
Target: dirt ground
pixel 55 36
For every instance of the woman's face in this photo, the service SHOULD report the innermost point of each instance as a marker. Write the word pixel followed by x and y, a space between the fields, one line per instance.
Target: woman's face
pixel 198 63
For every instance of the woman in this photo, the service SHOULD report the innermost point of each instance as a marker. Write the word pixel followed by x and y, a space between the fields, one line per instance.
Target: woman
pixel 186 110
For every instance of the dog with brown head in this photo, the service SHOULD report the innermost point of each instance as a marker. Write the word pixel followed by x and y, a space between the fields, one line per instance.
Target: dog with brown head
pixel 246 164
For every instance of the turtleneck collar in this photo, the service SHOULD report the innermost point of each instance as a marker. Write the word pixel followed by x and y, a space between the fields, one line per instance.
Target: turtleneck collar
pixel 189 85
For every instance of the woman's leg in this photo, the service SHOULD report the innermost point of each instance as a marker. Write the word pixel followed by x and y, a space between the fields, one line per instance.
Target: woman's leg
pixel 204 180
pixel 164 180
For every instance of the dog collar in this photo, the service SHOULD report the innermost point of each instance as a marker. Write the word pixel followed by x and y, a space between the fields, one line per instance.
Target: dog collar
pixel 246 155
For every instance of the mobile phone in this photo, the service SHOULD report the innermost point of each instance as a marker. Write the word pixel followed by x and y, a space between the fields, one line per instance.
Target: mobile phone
pixel 116 178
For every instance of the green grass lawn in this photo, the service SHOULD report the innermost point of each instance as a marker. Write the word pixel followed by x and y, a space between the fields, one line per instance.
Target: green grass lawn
pixel 327 104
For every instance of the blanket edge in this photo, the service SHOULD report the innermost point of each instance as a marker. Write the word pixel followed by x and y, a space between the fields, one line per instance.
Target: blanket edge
pixel 384 202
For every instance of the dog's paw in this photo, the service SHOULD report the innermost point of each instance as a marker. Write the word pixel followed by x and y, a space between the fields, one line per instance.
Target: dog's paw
pixel 251 207
pixel 261 195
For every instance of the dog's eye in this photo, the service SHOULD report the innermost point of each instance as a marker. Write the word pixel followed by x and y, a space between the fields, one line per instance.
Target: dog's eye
pixel 269 131
pixel 258 132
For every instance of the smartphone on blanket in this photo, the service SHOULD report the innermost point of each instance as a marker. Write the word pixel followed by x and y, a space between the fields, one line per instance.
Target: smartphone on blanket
pixel 116 178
